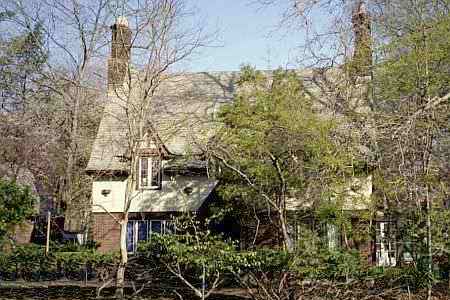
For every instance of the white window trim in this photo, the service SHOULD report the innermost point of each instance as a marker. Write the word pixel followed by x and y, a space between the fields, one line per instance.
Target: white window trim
pixel 386 245
pixel 149 230
pixel 332 232
pixel 149 174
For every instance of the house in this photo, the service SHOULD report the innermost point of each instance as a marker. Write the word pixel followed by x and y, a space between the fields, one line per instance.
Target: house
pixel 172 172
pixel 172 175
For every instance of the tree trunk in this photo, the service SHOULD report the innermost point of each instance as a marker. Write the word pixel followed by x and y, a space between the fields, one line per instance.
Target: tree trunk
pixel 120 276
pixel 429 250
pixel 72 153
pixel 288 243
pixel 448 287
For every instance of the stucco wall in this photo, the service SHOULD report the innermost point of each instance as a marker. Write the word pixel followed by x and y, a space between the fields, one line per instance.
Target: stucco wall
pixel 355 195
pixel 173 196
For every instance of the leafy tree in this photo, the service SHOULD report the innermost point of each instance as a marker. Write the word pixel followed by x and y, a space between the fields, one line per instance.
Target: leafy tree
pixel 274 147
pixel 199 259
pixel 157 42
pixel 16 205
pixel 22 59
pixel 411 116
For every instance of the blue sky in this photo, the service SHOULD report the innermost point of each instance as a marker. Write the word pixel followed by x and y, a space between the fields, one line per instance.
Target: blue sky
pixel 244 37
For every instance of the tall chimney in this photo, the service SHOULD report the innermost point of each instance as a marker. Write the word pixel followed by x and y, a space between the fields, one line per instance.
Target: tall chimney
pixel 362 55
pixel 120 52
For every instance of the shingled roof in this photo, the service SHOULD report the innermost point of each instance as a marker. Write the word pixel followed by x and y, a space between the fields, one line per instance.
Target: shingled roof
pixel 183 113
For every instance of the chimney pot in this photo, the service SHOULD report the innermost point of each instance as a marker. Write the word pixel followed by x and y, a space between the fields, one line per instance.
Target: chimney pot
pixel 122 21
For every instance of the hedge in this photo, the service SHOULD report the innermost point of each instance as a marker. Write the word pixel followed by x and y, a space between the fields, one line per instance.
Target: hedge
pixel 29 262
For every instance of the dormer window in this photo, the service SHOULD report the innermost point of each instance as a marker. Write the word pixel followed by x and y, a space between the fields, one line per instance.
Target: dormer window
pixel 150 169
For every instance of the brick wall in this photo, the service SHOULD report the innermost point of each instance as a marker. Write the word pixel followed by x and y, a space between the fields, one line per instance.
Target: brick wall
pixel 120 54
pixel 106 231
pixel 22 233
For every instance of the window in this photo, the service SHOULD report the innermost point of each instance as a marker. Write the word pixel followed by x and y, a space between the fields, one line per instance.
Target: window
pixel 156 226
pixel 150 173
pixel 332 238
pixel 386 250
pixel 141 230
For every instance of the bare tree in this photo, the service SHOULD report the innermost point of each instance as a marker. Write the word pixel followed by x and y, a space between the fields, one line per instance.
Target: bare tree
pixel 152 30
pixel 73 40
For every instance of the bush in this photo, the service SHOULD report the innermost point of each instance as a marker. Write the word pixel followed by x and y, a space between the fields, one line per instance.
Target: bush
pixel 344 265
pixel 78 265
pixel 406 277
pixel 16 205
pixel 326 264
pixel 29 262
pixel 268 260
pixel 72 246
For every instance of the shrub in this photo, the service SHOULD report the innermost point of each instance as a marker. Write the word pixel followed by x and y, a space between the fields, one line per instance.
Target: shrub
pixel 16 205
pixel 408 276
pixel 26 262
pixel 29 262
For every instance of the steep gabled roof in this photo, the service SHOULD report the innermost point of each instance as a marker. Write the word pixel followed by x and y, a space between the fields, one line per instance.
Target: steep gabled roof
pixel 183 112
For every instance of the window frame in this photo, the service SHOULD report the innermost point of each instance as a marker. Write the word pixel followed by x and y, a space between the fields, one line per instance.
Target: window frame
pixel 332 237
pixel 385 243
pixel 150 160
pixel 148 224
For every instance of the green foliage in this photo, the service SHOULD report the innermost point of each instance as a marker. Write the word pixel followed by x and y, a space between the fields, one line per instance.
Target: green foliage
pixel 407 276
pixel 16 205
pixel 274 145
pixel 22 61
pixel 413 70
pixel 211 252
pixel 440 220
pixel 263 260
pixel 72 246
pixel 203 255
pixel 413 232
pixel 343 264
pixel 329 212
pixel 30 262
pixel 314 261
pixel 73 264
pixel 413 133
pixel 416 61
pixel 195 250
pixel 278 123
pixel 25 262
pixel 272 259
pixel 193 253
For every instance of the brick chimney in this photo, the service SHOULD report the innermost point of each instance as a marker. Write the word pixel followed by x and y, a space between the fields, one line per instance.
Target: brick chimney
pixel 120 52
pixel 362 55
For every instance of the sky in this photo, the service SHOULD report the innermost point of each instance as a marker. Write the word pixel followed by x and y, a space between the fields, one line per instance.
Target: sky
pixel 246 34
pixel 244 37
